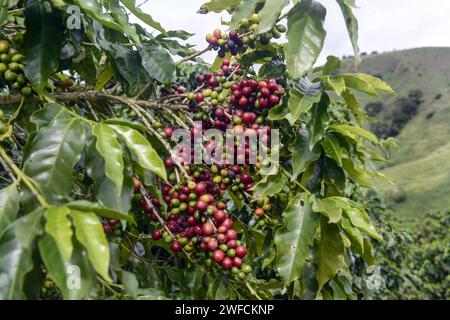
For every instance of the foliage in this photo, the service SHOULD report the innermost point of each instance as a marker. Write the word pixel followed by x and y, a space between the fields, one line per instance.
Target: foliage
pixel 412 263
pixel 88 187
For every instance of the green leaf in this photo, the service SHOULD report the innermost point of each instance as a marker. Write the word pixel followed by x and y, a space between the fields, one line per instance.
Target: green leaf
pixel 9 205
pixel 332 149
pixel 366 83
pixel 53 154
pixel 43 41
pixel 269 14
pixel 129 282
pixel 359 218
pixel 120 16
pixel 106 74
pixel 302 155
pixel 147 156
pixel 87 206
pixel 337 84
pixel 354 105
pixel 299 103
pixel 333 64
pixel 244 10
pixel 328 207
pixel 352 25
pixel 330 252
pixel 305 37
pixel 158 63
pixel 60 228
pixel 295 238
pixel 141 15
pixel 111 151
pixel 94 9
pixel 16 248
pixel 358 173
pixel 74 277
pixel 104 188
pixel 319 120
pixel 43 117
pixel 220 5
pixel 89 231
pixel 15 263
pixel 269 186
pixel 354 131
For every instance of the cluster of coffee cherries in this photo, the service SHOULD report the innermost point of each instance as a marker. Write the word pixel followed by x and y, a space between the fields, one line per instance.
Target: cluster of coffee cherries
pixel 238 40
pixel 11 69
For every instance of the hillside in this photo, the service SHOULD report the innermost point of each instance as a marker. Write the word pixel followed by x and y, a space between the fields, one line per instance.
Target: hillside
pixel 420 167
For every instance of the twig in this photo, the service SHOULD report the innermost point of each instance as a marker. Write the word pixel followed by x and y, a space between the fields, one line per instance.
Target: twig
pixel 7 169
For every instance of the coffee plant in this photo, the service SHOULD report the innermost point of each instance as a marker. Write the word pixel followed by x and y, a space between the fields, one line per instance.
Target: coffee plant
pixel 99 200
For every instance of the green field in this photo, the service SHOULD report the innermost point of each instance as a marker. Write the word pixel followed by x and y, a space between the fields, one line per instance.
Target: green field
pixel 420 167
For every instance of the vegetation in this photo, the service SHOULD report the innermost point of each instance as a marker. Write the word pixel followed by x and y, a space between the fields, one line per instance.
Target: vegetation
pixel 99 201
pixel 418 167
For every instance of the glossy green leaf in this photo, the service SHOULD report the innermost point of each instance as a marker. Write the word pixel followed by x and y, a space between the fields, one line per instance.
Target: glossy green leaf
pixel 104 188
pixel 352 25
pixel 15 263
pixel 359 173
pixel 73 277
pixel 60 228
pixel 354 105
pixel 245 9
pixel 141 15
pixel 53 154
pixel 43 117
pixel 269 14
pixel 106 73
pixel 330 252
pixel 87 206
pixel 319 120
pixel 220 5
pixel 43 41
pixel 354 132
pixel 305 37
pixel 16 255
pixel 332 149
pixel 295 238
pixel 129 282
pixel 333 64
pixel 9 205
pixel 120 16
pixel 366 83
pixel 158 63
pixel 111 150
pixel 147 156
pixel 328 207
pixel 269 186
pixel 302 155
pixel 299 104
pixel 95 10
pixel 89 231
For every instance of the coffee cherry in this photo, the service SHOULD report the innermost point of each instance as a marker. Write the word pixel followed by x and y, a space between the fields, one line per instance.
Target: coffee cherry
pixel 199 97
pixel 168 132
pixel 259 212
pixel 207 229
pixel 274 99
pixel 10 76
pixel 137 184
pixel 227 263
pixel 231 235
pixel 3 68
pixel 241 251
pixel 246 268
pixel 237 262
pixel 4 46
pixel 255 18
pixel 68 83
pixel 200 188
pixel 107 228
pixel 217 33
pixel 157 234
pixel 218 255
pixel 212 244
pixel 176 246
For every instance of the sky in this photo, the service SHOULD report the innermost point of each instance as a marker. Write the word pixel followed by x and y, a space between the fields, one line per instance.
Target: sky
pixel 384 25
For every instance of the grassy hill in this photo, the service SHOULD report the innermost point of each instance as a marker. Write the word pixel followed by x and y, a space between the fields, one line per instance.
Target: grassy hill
pixel 420 167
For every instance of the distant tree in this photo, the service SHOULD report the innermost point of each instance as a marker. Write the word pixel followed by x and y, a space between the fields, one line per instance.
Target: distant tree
pixel 374 108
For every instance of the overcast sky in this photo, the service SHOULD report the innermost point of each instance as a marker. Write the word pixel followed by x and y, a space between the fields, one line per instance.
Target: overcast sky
pixel 384 25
